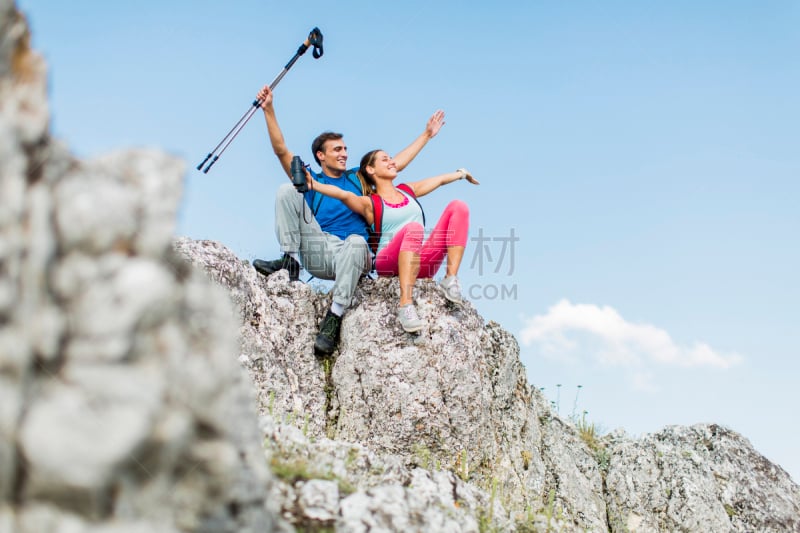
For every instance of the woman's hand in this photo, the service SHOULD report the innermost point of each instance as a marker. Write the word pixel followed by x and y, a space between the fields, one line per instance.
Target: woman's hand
pixel 435 123
pixel 465 174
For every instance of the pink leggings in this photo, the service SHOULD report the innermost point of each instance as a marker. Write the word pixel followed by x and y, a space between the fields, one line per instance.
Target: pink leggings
pixel 450 230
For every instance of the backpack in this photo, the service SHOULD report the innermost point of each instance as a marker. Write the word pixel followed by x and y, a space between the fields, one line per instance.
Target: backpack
pixel 377 211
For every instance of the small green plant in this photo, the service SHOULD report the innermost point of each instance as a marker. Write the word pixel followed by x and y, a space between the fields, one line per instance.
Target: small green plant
pixel 575 403
pixel 527 456
pixel 618 522
pixel 422 455
pixel 485 517
pixel 530 522
pixel 485 523
pixel 292 470
pixel 345 487
pixel 331 421
pixel 525 523
pixel 590 434
pixel 271 403
pixel 588 431
pixel 462 465
pixel 558 398
pixel 352 457
pixel 603 458
pixel 297 469
pixel 551 504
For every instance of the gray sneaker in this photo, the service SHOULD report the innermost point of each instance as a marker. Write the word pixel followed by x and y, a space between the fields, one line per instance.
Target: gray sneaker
pixel 409 319
pixel 451 289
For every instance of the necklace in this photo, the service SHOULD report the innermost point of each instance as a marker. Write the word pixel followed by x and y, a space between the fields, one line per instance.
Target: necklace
pixel 402 202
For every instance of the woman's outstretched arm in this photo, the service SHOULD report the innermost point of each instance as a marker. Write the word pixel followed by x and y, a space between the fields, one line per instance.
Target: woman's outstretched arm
pixel 407 154
pixel 423 187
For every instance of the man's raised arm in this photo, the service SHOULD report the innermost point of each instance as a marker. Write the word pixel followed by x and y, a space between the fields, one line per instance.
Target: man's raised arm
pixel 405 156
pixel 275 135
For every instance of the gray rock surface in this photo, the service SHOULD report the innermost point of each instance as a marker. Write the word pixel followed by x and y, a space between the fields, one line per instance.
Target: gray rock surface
pixel 455 397
pixel 698 478
pixel 454 400
pixel 138 396
pixel 329 483
pixel 122 405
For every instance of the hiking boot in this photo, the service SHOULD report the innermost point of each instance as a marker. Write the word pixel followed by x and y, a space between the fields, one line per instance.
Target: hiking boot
pixel 328 335
pixel 286 262
pixel 409 319
pixel 451 289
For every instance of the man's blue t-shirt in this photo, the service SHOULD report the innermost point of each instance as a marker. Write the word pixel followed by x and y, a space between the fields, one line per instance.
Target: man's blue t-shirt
pixel 333 216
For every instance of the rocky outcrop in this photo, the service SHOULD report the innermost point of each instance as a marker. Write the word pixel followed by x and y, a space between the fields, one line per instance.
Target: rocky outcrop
pixel 699 478
pixel 454 402
pixel 455 396
pixel 138 395
pixel 121 408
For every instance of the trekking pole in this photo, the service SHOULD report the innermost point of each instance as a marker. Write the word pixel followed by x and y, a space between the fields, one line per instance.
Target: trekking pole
pixel 314 39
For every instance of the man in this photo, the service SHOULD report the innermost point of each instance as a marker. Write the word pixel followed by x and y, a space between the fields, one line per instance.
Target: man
pixel 320 232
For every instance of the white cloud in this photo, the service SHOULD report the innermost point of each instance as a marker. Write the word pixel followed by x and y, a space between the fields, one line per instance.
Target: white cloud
pixel 612 340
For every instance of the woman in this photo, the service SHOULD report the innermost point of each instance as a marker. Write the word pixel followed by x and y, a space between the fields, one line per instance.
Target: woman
pixel 401 251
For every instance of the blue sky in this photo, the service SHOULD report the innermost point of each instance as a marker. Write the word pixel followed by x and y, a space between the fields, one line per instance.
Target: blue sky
pixel 638 162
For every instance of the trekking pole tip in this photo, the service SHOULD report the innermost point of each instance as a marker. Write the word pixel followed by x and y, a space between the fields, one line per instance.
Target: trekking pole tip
pixel 204 162
pixel 211 164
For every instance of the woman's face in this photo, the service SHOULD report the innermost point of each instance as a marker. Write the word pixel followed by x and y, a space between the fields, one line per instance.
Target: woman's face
pixel 383 166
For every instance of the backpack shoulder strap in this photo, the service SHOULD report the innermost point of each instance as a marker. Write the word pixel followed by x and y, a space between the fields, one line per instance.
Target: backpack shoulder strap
pixel 407 189
pixel 377 221
pixel 353 178
pixel 316 201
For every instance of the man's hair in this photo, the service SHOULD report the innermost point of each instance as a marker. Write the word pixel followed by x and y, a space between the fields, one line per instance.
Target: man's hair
pixel 319 142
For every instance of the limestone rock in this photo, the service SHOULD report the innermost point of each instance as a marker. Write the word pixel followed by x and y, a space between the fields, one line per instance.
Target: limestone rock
pixel 703 477
pixel 326 483
pixel 454 401
pixel 139 393
pixel 122 405
pixel 278 324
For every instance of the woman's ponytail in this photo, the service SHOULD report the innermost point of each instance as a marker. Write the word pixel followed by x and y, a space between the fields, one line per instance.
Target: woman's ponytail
pixel 367 181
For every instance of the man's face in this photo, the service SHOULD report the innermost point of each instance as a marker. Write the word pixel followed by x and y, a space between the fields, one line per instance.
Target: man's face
pixel 333 156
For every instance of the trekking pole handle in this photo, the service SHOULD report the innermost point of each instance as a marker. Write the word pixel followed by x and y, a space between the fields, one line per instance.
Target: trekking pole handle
pixel 315 40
